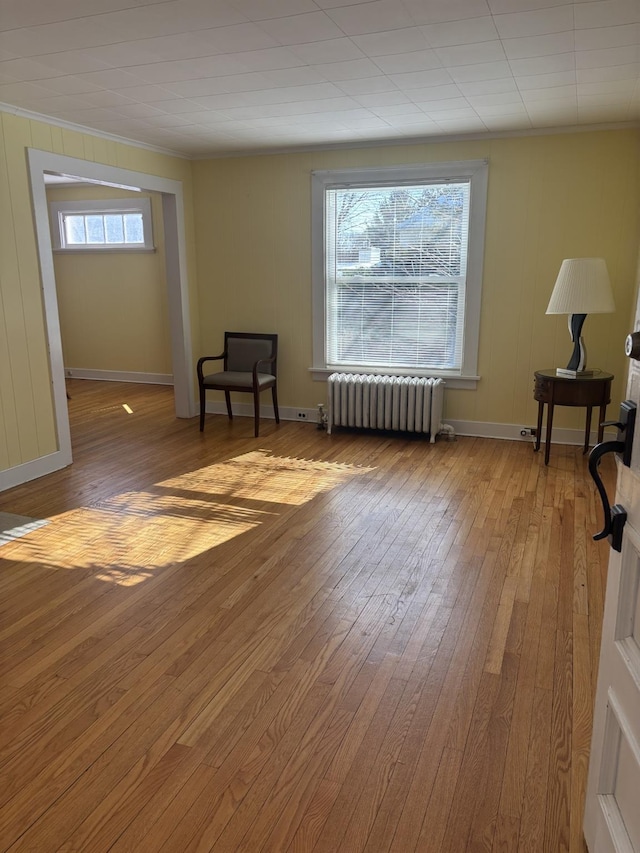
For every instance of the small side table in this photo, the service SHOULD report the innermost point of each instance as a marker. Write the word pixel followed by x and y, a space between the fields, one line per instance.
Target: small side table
pixel 584 391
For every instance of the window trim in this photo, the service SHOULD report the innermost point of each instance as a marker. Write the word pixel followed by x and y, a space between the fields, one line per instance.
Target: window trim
pixel 59 209
pixel 476 171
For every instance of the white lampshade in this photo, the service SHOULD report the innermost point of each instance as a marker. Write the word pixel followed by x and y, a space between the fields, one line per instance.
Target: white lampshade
pixel 582 287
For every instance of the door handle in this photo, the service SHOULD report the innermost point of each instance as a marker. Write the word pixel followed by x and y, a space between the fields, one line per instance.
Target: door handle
pixel 616 516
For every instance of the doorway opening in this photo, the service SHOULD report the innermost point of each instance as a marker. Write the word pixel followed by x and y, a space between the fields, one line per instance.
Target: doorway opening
pixel 41 163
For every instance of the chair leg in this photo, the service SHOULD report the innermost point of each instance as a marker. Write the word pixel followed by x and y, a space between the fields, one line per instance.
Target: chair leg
pixel 202 402
pixel 275 403
pixel 256 411
pixel 227 397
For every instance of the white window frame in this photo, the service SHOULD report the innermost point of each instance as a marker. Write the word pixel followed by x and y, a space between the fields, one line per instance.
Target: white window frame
pixel 476 171
pixel 58 210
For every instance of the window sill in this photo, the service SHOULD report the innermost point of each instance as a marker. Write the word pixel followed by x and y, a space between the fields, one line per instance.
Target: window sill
pixel 106 250
pixel 467 383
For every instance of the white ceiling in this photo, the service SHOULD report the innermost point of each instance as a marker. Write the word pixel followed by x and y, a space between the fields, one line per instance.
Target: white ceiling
pixel 214 77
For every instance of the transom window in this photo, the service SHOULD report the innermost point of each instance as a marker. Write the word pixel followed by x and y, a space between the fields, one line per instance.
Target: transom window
pixel 398 268
pixel 122 224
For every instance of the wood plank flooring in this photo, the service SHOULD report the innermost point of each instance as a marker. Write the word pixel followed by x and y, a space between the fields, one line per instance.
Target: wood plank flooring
pixel 302 642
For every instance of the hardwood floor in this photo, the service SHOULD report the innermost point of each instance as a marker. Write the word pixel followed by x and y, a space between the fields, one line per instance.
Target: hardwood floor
pixel 300 642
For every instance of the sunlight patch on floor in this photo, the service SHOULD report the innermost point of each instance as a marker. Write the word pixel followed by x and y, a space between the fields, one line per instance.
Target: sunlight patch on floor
pixel 126 538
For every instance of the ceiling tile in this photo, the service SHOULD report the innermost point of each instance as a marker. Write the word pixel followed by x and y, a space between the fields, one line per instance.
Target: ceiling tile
pixel 263 10
pixel 147 94
pixel 434 93
pixel 481 71
pixel 550 95
pixel 436 11
pixel 537 23
pixel 524 48
pixel 485 110
pixel 240 37
pixel 33 41
pixel 437 77
pixel 607 37
pixel 388 111
pixel 504 6
pixel 606 13
pixel 496 99
pixel 10 92
pixel 390 42
pixel 176 105
pixel 73 61
pixel 69 85
pixel 112 78
pixel 497 124
pixel 446 105
pixel 470 54
pixel 383 99
pixel 543 64
pixel 162 19
pixel 546 81
pixel 330 50
pixel 609 56
pixel 608 88
pixel 465 31
pixel 486 87
pixel 104 98
pixel 419 60
pixel 367 85
pixel 353 70
pixel 629 71
pixel 378 16
pixel 138 110
pixel 462 124
pixel 315 26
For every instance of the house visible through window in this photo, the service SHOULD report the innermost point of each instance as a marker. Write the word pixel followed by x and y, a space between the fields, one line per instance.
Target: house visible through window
pixel 123 224
pixel 398 261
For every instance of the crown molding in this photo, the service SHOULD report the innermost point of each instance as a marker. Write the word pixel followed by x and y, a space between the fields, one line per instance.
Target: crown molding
pixel 89 131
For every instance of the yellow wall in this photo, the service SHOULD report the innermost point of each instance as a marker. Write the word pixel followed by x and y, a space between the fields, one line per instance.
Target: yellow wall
pixel 550 197
pixel 113 305
pixel 27 428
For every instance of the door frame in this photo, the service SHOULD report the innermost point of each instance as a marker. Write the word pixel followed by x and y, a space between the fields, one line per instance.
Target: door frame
pixel 40 162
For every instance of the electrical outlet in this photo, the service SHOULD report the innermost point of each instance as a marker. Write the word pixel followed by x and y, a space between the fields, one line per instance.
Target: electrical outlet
pixel 302 416
pixel 528 431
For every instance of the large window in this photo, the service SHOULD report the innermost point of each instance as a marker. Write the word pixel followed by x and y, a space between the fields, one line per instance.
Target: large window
pixel 117 224
pixel 398 268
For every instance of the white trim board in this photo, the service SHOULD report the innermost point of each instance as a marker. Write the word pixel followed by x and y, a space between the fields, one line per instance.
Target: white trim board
pixel 177 284
pixel 11 477
pixel 470 429
pixel 245 410
pixel 119 376
pixel 511 432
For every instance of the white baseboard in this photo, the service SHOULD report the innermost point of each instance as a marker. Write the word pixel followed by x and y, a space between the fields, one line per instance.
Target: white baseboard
pixel 245 410
pixel 511 432
pixel 477 429
pixel 119 376
pixel 11 477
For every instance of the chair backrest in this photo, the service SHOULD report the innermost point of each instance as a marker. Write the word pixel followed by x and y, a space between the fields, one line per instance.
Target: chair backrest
pixel 243 349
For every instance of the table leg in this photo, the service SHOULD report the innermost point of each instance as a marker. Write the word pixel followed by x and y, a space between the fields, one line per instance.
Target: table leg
pixel 587 430
pixel 547 443
pixel 539 429
pixel 601 420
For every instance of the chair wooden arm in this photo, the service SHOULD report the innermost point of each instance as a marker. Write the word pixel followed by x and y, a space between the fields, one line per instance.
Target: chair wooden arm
pixel 261 361
pixel 202 360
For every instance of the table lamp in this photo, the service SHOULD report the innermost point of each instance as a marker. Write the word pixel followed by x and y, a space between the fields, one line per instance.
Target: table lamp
pixel 582 288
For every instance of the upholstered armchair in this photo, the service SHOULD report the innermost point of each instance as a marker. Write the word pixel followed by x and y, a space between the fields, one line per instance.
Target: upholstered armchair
pixel 249 365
